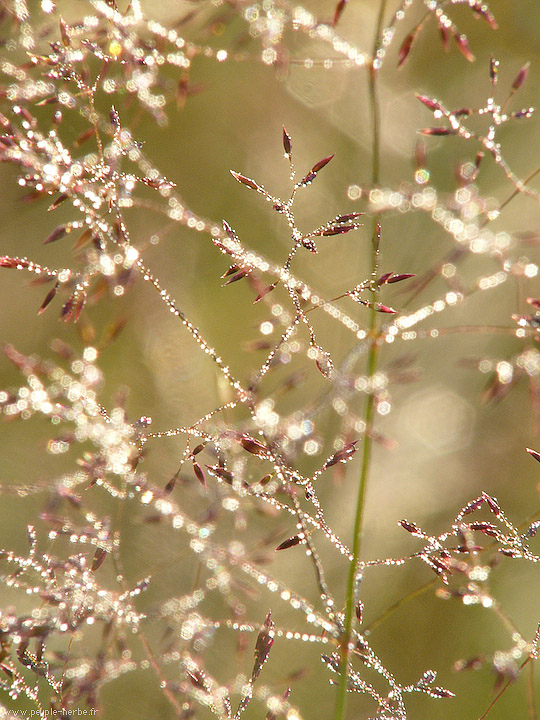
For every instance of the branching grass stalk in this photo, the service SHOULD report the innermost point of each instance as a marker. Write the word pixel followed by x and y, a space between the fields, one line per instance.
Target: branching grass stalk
pixel 457 254
pixel 206 515
pixel 429 585
pixel 503 690
pixel 350 599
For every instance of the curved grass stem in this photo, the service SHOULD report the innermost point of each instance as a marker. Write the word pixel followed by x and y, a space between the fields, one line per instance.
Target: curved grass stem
pixel 351 590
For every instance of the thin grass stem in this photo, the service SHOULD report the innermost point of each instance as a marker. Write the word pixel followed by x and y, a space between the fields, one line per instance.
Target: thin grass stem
pixel 350 599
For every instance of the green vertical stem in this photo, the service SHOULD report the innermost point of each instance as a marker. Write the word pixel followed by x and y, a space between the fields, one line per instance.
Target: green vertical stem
pixel 350 599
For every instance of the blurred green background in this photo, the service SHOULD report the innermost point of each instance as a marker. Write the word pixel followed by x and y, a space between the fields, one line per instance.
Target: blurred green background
pixel 449 445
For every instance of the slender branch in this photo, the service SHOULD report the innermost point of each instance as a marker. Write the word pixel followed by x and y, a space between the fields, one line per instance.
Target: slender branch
pixel 158 671
pixel 399 603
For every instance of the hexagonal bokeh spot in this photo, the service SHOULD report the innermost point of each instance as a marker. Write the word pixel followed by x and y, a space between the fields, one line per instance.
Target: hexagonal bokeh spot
pixel 316 87
pixel 439 418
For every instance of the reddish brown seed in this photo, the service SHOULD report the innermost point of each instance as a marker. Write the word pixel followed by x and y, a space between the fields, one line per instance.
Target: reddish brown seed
pixel 245 180
pixel 253 446
pixel 56 234
pixel 9 262
pixel 233 269
pixel 6 670
pixel 60 199
pixel 27 115
pixel 169 487
pixel 308 178
pixel 197 679
pixel 410 527
pixel 64 34
pixel 319 165
pixel 340 7
pixel 438 567
pixel 472 506
pixel 384 308
pixel 114 118
pixel 290 542
pixel 521 77
pixel 112 331
pixel 287 146
pixel 481 10
pixel 235 278
pixel 463 46
pixel 265 291
pixel 400 277
pixel 391 277
pixel 71 310
pixel 48 298
pixel 324 363
pixel 197 469
pixel 99 559
pixel 84 136
pixel 405 48
pixel 445 37
pixel 440 692
pixel 221 473
pixel 86 235
pixel 525 113
pixel 342 455
pixel 437 131
pixel 255 345
pixel 430 103
pixel 493 504
pixel 338 229
pixel 264 643
pixel 485 527
pixel 493 70
pixel 228 230
pixel 348 217
pixel 510 552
